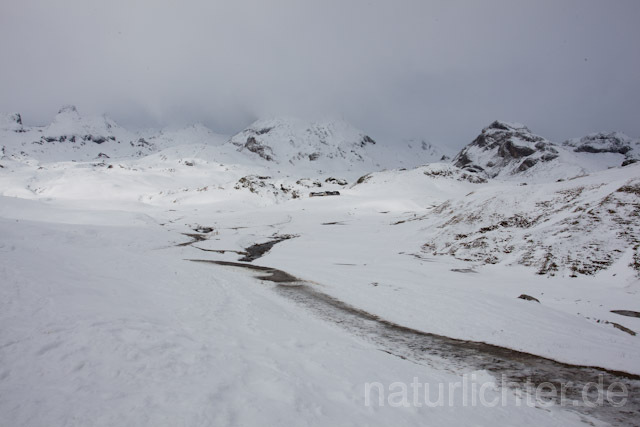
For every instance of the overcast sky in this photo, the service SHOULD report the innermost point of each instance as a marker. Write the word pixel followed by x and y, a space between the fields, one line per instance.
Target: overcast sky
pixel 441 70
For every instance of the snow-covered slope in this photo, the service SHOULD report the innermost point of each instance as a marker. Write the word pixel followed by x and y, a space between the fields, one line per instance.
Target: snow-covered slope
pixel 196 134
pixel 408 153
pixel 576 227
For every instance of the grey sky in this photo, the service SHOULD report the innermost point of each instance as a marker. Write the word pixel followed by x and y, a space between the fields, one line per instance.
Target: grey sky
pixel 435 69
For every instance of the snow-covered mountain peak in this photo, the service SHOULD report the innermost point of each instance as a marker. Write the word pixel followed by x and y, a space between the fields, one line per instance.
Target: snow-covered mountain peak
pixel 501 125
pixel 503 149
pixel 294 140
pixel 70 136
pixel 68 122
pixel 11 122
pixel 68 110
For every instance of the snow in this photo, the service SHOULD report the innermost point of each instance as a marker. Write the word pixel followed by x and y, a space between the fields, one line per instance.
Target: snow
pixel 365 248
pixel 327 146
pixel 106 321
pixel 104 324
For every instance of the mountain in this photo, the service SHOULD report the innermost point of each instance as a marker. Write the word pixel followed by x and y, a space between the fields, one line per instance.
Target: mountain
pixel 278 146
pixel 11 122
pixel 295 141
pixel 504 149
pixel 298 148
pixel 510 151
pixel 71 137
pixel 330 145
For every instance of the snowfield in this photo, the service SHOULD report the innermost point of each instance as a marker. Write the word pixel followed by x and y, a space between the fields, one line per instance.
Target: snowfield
pixel 107 320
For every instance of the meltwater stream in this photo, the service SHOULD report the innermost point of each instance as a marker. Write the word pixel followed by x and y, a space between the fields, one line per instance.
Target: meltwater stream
pixel 521 370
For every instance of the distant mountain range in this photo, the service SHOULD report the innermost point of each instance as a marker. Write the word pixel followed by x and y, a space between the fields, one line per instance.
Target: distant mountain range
pixel 281 143
pixel 506 151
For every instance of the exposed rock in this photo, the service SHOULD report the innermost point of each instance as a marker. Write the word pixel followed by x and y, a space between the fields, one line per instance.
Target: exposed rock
pixel 11 122
pixel 338 181
pixel 261 150
pixel 363 179
pixel 366 140
pixel 203 230
pixel 251 182
pixel 68 109
pixel 627 313
pixel 324 193
pixel 529 298
pixel 526 164
pixel 623 328
pixel 263 131
pixel 559 233
pixel 614 142
pixel 464 270
pixel 141 143
pixel 98 139
pixel 307 182
pixel 449 171
pixel 263 186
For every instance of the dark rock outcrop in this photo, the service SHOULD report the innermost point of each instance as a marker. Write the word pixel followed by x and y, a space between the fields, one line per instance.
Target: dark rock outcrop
pixel 254 146
pixel 339 181
pixel 613 142
pixel 324 193
pixel 529 298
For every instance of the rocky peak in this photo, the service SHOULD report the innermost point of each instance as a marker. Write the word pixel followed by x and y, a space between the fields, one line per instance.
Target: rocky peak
pixel 613 142
pixel 11 122
pixel 504 148
pixel 68 109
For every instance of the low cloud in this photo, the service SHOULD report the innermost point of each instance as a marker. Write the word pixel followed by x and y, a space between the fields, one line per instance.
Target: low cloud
pixel 440 70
